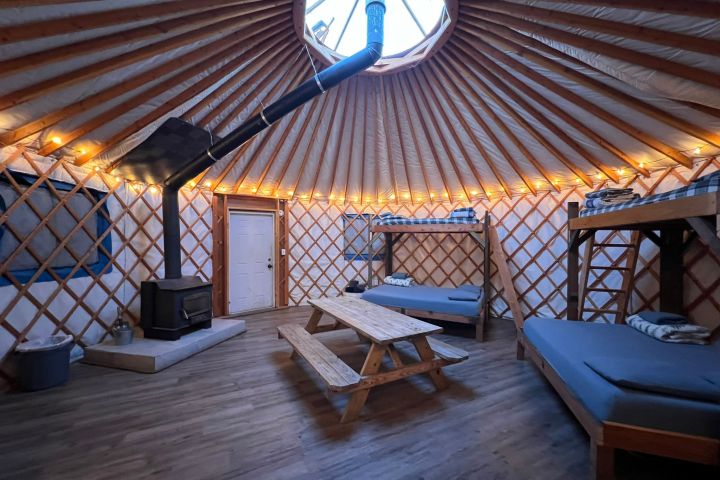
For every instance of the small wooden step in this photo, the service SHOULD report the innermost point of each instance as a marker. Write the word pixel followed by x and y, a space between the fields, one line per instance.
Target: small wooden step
pixel 446 351
pixel 616 245
pixel 336 373
pixel 600 310
pixel 606 290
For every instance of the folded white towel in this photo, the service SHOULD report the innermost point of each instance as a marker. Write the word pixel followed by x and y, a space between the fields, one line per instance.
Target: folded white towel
pixel 683 333
pixel 399 282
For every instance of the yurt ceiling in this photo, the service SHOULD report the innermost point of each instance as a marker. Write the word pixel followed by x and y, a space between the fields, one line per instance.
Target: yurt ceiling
pixel 510 97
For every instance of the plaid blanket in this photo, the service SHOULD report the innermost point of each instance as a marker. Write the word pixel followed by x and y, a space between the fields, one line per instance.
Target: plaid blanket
pixel 426 221
pixel 709 183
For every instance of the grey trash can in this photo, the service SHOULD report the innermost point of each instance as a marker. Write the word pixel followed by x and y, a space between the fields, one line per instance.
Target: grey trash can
pixel 43 363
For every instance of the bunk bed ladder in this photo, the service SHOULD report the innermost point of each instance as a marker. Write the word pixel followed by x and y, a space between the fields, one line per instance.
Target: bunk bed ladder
pixel 625 263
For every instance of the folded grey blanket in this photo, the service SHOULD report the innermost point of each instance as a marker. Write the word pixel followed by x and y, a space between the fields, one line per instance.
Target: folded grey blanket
pixel 464 296
pixel 606 202
pixel 609 192
pixel 399 282
pixel 466 212
pixel 400 275
pixel 683 333
pixel 662 318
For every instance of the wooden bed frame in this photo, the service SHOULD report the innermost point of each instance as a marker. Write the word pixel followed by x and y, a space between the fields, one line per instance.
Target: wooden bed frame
pixel 486 237
pixel 700 216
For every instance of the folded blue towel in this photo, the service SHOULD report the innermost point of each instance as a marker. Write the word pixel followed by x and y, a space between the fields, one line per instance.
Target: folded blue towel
pixel 464 296
pixel 400 275
pixel 662 318
pixel 658 377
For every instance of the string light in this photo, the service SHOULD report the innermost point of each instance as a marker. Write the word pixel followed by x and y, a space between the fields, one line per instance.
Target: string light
pixel 192 184
pixel 208 184
pixel 118 179
pixel 523 190
pixel 474 193
pixel 56 140
pixel 318 194
pixel 537 185
pixel 82 151
pixel 641 165
pixel 697 150
pixel 153 189
pixel 621 171
pixel 392 196
pixel 332 196
pixel 599 176
pixel 97 169
pixel 406 196
pixel 290 193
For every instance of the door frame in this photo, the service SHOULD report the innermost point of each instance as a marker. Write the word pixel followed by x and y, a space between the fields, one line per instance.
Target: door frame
pixel 221 207
pixel 273 258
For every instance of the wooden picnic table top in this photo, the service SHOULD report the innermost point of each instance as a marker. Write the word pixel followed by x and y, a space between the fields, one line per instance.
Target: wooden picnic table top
pixel 379 324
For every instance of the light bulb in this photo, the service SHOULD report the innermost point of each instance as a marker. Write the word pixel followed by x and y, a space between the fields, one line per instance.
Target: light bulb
pixel 696 151
pixel 56 140
pixel 153 189
pixel 208 184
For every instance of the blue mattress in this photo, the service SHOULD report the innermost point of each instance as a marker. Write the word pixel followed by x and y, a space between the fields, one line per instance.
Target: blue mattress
pixel 393 220
pixel 707 184
pixel 423 297
pixel 566 345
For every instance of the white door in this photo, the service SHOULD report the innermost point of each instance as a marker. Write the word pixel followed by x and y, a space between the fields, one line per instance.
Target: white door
pixel 251 258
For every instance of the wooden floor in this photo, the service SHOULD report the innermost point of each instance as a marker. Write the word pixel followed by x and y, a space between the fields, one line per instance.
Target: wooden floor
pixel 245 410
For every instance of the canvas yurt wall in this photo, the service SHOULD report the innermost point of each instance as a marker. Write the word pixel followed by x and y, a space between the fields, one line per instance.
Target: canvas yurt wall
pixel 50 286
pixel 83 301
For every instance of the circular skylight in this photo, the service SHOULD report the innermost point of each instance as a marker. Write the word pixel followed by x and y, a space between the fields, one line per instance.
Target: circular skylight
pixel 341 25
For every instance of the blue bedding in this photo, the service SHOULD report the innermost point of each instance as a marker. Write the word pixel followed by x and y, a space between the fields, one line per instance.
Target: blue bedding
pixel 423 297
pixel 567 345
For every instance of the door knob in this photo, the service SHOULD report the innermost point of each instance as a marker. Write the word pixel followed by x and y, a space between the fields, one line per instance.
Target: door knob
pixel 269 266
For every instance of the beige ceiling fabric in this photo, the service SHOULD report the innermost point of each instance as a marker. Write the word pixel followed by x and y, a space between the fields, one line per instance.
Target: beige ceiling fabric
pixel 523 96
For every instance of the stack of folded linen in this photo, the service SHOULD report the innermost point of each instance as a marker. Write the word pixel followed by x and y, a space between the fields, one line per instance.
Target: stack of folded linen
pixel 399 279
pixel 609 196
pixel 669 327
pixel 465 214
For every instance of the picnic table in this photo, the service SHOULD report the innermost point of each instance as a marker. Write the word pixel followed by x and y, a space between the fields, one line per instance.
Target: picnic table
pixel 382 328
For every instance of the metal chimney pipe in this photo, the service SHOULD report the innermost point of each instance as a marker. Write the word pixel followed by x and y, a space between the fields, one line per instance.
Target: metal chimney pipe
pixel 320 83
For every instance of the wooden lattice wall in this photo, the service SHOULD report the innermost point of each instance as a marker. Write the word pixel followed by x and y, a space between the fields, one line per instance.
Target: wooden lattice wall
pixel 533 234
pixel 86 307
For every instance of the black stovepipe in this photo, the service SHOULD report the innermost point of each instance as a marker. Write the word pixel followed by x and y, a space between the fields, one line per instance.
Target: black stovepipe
pixel 320 83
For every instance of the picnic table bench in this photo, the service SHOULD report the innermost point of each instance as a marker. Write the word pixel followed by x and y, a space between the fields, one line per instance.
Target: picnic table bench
pixel 382 328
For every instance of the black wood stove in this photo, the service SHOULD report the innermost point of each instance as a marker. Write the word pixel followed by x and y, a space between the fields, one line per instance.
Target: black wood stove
pixel 175 305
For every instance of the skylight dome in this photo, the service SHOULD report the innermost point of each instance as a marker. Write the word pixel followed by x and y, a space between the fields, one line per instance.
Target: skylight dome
pixel 337 29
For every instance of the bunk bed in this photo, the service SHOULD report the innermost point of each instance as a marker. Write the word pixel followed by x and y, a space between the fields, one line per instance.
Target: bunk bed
pixel 434 302
pixel 622 417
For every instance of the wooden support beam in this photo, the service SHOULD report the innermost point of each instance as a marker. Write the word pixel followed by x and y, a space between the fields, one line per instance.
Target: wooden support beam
pixel 671 271
pixel 692 8
pixel 573 267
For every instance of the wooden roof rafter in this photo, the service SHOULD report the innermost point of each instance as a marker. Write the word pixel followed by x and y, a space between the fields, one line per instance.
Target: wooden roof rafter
pixel 707 46
pixel 423 114
pixel 65 79
pixel 420 72
pixel 595 110
pixel 669 67
pixel 402 93
pixel 143 96
pixel 456 80
pixel 105 42
pixel 521 121
pixel 284 83
pixel 541 53
pixel 557 130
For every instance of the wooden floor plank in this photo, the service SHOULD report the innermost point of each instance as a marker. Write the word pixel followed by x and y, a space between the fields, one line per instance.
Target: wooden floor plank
pixel 244 410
